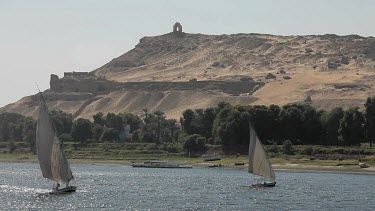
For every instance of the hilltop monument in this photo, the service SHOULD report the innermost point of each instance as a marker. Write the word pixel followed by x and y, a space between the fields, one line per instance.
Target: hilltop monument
pixel 177 27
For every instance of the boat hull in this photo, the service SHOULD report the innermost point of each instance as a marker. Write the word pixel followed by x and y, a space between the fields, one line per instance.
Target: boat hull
pixel 363 165
pixel 69 189
pixel 264 184
pixel 216 166
pixel 212 159
pixel 239 164
pixel 161 166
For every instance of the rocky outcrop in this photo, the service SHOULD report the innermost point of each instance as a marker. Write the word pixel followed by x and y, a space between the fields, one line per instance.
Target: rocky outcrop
pixel 369 50
pixel 270 76
pixel 333 66
pixel 178 70
pixel 171 58
pixel 345 60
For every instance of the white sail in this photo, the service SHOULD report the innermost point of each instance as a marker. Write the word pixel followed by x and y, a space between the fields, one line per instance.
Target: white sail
pixel 51 155
pixel 259 163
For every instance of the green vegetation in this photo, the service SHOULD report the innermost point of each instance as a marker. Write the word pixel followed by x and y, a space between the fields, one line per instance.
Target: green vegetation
pixel 16 128
pixel 195 143
pixel 288 148
pixel 370 119
pixel 297 130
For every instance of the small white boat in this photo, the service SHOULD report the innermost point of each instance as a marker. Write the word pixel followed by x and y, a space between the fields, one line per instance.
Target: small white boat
pixel 364 165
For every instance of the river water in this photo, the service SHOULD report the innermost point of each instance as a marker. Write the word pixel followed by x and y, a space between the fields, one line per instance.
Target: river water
pixel 125 188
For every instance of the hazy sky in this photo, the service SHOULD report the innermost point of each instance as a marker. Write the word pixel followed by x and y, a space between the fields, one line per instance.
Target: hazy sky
pixel 40 37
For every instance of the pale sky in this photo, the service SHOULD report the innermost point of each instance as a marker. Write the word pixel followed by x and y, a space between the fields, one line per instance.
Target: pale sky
pixel 41 37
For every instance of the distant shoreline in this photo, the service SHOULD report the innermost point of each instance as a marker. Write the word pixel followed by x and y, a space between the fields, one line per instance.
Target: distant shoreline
pixel 324 169
pixel 293 168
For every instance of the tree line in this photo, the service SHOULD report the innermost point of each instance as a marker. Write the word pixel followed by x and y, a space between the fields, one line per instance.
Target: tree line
pixel 299 123
pixel 224 124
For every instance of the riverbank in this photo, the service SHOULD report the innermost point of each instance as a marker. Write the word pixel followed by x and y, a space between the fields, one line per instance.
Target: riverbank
pixel 279 164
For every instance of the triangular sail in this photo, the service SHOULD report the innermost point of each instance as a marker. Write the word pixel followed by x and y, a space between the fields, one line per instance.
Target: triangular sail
pixel 259 163
pixel 51 155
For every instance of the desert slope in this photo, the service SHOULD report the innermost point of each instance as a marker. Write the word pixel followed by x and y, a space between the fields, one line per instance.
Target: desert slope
pixel 173 57
pixel 175 71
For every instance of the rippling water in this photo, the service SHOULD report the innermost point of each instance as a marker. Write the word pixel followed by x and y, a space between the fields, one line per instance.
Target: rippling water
pixel 125 188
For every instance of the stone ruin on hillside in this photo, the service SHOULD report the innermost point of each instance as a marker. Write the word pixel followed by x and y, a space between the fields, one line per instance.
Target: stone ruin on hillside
pixel 82 82
pixel 177 27
pixel 78 74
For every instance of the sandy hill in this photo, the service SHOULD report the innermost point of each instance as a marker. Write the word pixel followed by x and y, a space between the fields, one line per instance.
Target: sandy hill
pixel 175 71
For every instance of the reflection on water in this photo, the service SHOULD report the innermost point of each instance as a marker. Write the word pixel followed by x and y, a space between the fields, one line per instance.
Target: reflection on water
pixel 126 188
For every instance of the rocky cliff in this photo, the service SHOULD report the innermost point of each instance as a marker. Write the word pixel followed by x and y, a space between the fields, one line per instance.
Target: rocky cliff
pixel 176 71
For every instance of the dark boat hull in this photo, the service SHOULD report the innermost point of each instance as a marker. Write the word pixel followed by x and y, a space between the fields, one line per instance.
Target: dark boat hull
pixel 239 164
pixel 264 184
pixel 212 159
pixel 216 166
pixel 363 165
pixel 69 189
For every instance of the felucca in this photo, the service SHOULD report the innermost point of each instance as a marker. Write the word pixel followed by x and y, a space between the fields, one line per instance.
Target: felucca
pixel 259 164
pixel 50 149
